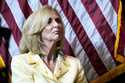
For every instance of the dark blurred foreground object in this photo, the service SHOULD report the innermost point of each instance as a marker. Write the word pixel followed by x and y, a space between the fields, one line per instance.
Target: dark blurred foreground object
pixel 4 55
pixel 118 79
pixel 115 75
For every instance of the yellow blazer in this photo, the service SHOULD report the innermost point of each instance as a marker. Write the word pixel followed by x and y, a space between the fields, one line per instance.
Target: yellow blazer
pixel 30 68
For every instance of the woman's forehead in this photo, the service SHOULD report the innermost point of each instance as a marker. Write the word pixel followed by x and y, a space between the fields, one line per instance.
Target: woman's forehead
pixel 53 15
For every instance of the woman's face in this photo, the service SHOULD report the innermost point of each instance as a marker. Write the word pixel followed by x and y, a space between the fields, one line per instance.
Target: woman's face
pixel 54 30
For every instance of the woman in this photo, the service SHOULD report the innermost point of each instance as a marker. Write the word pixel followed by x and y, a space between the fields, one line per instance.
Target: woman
pixel 42 60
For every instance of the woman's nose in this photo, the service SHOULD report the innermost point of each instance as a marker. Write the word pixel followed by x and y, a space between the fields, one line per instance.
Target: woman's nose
pixel 55 23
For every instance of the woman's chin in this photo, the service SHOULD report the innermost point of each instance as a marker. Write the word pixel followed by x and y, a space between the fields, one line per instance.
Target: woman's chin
pixel 56 38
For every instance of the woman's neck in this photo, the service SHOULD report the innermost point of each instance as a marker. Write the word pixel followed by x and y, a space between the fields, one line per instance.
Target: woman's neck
pixel 49 50
pixel 49 58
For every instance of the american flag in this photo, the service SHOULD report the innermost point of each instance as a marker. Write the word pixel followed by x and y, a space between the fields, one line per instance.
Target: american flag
pixel 90 29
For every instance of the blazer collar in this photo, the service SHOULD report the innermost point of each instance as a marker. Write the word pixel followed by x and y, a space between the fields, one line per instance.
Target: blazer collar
pixel 61 67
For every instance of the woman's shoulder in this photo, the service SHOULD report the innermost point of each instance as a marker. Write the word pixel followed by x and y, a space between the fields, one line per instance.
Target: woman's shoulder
pixel 72 59
pixel 19 64
pixel 27 58
pixel 18 59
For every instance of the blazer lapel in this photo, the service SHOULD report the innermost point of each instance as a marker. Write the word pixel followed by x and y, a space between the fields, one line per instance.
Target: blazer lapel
pixel 38 65
pixel 62 66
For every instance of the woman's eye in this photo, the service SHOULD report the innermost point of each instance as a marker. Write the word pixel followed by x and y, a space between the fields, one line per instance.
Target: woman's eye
pixel 58 20
pixel 49 20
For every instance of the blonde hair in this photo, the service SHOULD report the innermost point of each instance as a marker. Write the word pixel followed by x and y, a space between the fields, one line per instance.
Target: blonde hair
pixel 35 23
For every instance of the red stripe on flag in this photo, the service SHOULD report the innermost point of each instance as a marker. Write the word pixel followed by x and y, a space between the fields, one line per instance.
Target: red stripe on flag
pixel 101 24
pixel 83 38
pixel 5 11
pixel 25 7
pixel 115 5
pixel 44 2
pixel 67 48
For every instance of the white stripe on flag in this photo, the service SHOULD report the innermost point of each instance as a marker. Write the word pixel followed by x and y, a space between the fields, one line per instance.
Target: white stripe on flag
pixel 13 48
pixel 34 4
pixel 106 8
pixel 17 13
pixel 3 22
